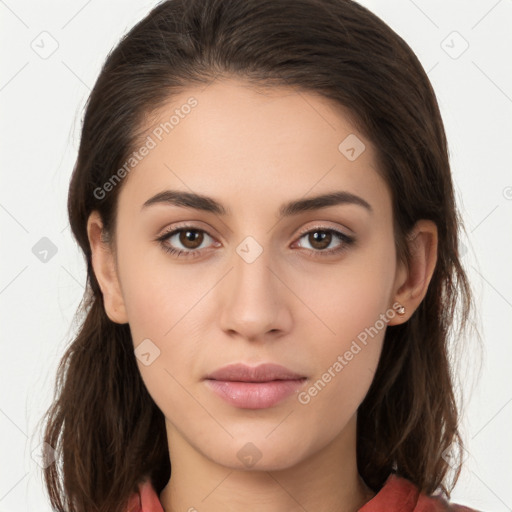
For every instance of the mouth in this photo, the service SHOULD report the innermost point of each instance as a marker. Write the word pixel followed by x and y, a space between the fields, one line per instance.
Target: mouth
pixel 257 387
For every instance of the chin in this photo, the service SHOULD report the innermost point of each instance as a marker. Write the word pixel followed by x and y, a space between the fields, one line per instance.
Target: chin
pixel 259 454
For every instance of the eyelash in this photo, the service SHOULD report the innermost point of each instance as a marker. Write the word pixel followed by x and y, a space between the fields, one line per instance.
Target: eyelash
pixel 193 253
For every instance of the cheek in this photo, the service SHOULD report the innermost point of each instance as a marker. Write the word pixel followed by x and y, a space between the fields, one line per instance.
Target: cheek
pixel 346 355
pixel 162 320
pixel 159 296
pixel 348 297
pixel 334 396
pixel 351 303
pixel 163 302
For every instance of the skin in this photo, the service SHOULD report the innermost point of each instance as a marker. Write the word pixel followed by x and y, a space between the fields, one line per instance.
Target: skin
pixel 253 150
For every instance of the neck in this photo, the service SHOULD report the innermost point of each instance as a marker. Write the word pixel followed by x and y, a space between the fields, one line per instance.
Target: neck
pixel 327 481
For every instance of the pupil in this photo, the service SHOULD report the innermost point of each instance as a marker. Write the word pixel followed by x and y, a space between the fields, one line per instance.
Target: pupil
pixel 321 236
pixel 190 237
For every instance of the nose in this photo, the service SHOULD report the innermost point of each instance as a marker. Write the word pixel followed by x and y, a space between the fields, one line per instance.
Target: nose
pixel 255 299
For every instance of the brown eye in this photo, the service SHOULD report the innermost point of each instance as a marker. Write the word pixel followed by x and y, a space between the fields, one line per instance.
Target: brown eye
pixel 184 242
pixel 191 238
pixel 319 239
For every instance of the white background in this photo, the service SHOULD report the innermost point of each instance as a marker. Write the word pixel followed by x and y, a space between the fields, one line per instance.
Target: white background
pixel 42 101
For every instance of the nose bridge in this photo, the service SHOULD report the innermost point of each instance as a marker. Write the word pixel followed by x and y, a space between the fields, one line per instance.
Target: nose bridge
pixel 253 299
pixel 252 264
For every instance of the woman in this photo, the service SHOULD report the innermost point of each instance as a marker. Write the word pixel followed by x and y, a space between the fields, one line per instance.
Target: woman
pixel 264 201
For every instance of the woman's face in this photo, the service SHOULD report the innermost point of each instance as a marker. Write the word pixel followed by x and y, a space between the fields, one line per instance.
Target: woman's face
pixel 257 283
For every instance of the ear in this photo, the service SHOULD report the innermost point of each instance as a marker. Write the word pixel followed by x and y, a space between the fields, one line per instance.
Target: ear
pixel 412 281
pixel 103 262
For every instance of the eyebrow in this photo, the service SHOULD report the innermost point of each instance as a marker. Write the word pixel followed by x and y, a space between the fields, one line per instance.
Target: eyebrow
pixel 208 204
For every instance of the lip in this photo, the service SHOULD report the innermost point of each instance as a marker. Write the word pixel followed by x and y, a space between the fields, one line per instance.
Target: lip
pixel 257 387
pixel 262 373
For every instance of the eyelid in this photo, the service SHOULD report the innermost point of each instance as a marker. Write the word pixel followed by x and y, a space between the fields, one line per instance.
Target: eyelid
pixel 321 225
pixel 192 225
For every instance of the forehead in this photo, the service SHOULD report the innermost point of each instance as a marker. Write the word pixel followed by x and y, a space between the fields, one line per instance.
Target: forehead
pixel 264 144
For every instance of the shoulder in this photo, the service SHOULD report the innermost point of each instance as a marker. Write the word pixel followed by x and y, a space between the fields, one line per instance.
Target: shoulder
pixel 401 495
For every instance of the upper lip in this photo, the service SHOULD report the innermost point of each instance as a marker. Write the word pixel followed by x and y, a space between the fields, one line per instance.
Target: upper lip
pixel 262 373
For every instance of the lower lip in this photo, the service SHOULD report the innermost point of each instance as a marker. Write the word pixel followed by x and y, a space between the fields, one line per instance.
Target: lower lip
pixel 255 395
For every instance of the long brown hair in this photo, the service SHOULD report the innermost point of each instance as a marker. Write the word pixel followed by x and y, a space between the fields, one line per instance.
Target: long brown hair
pixel 108 433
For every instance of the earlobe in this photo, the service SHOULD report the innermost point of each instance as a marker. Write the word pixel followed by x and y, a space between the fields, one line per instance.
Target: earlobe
pixel 103 263
pixel 413 280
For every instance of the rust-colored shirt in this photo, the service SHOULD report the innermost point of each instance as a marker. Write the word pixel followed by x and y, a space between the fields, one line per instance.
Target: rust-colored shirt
pixel 397 495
